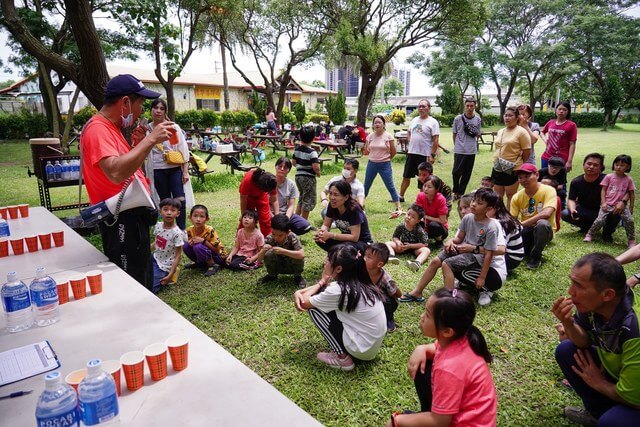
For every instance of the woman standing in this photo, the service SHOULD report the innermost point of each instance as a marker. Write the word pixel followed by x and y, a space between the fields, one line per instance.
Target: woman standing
pixel 533 128
pixel 560 135
pixel 513 147
pixel 349 217
pixel 270 118
pixel 258 192
pixel 169 180
pixel 381 149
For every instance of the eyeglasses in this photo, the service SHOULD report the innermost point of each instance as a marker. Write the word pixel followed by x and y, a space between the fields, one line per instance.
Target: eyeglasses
pixel 532 205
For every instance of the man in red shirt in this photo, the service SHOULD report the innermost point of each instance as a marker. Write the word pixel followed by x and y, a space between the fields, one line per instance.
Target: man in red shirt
pixel 108 161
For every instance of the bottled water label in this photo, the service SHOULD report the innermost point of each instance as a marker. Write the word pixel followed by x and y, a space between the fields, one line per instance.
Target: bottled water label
pixel 61 420
pixel 100 411
pixel 44 297
pixel 16 302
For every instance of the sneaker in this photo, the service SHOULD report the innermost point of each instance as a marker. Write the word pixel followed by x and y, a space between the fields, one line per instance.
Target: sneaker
pixel 391 326
pixel 300 282
pixel 334 361
pixel 413 265
pixel 533 263
pixel 212 270
pixel 268 279
pixel 485 298
pixel 587 238
pixel 580 416
pixel 631 243
pixel 394 260
pixel 190 266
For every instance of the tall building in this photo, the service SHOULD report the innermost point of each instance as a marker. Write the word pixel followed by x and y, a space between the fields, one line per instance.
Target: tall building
pixel 404 76
pixel 343 79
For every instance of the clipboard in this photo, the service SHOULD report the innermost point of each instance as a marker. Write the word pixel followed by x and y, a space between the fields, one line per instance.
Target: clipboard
pixel 24 362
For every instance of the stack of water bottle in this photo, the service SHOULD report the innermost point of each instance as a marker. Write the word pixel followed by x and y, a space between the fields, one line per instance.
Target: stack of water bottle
pixel 95 403
pixel 65 171
pixel 18 300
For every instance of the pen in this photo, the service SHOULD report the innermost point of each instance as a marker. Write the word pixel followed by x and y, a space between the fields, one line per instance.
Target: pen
pixel 16 394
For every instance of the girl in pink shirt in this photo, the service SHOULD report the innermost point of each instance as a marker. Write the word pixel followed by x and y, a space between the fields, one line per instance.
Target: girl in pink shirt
pixel 249 241
pixel 435 209
pixel 451 376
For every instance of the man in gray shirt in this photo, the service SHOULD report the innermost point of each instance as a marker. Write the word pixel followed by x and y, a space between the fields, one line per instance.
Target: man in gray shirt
pixel 466 128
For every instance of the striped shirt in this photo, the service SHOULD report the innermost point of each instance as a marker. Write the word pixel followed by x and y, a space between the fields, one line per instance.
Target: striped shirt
pixel 305 157
pixel 515 247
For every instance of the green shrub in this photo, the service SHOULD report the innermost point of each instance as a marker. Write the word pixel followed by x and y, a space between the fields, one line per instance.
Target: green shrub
pixel 227 119
pixel 208 118
pixel 490 119
pixel 258 104
pixel 24 124
pixel 287 116
pixel 83 115
pixel 381 108
pixel 336 108
pixel 582 120
pixel 398 117
pixel 188 119
pixel 244 118
pixel 317 118
pixel 445 120
pixel 299 111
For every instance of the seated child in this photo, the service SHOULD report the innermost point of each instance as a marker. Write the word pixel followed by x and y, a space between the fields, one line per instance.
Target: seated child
pixel 203 245
pixel 475 245
pixel 451 375
pixel 249 241
pixel 410 237
pixel 425 171
pixel 167 247
pixel 282 252
pixel 487 182
pixel 557 172
pixel 375 257
pixel 436 211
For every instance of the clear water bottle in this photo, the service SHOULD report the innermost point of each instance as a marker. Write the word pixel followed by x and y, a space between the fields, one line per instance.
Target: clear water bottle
pixel 44 295
pixel 76 169
pixel 4 228
pixel 49 171
pixel 17 304
pixel 57 170
pixel 65 170
pixel 58 403
pixel 97 396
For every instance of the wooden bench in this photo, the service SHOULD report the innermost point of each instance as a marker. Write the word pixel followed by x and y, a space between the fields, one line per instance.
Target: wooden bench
pixel 322 160
pixel 347 156
pixel 195 171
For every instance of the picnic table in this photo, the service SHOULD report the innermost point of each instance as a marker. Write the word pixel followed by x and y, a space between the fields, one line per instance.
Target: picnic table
pixel 276 142
pixel 225 159
pixel 338 146
pixel 490 139
pixel 215 389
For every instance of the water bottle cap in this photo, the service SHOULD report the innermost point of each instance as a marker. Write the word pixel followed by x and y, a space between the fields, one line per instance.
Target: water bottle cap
pixel 93 366
pixel 12 276
pixel 41 272
pixel 52 379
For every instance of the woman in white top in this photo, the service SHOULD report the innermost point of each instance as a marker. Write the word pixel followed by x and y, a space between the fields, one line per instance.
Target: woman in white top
pixel 347 309
pixel 381 149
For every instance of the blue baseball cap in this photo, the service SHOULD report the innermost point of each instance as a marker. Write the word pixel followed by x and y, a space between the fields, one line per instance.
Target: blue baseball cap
pixel 126 84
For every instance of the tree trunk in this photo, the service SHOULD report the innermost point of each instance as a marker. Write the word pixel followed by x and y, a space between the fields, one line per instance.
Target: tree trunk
pixel 69 124
pixel 225 78
pixel 171 99
pixel 49 98
pixel 367 93
pixel 616 116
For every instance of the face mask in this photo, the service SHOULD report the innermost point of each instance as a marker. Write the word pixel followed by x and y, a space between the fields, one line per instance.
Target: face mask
pixel 126 121
pixel 346 174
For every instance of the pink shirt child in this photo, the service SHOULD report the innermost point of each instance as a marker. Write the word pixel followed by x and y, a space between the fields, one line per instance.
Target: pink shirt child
pixel 462 386
pixel 379 147
pixel 248 244
pixel 436 208
pixel 616 188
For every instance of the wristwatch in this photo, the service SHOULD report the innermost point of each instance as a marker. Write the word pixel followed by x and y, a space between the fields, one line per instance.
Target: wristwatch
pixel 477 249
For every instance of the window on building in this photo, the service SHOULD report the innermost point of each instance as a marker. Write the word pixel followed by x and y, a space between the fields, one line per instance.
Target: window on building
pixel 210 104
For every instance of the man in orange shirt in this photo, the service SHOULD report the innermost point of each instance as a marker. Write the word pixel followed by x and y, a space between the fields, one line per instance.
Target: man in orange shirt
pixel 108 161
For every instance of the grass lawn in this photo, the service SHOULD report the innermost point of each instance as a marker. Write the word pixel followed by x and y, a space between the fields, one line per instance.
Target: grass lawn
pixel 259 325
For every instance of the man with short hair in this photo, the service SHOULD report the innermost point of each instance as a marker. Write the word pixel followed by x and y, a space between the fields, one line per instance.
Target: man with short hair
pixel 583 203
pixel 535 207
pixel 423 136
pixel 601 357
pixel 108 162
pixel 466 128
pixel 349 172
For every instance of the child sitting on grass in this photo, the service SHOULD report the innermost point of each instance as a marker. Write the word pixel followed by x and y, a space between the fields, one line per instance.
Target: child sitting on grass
pixel 435 210
pixel 203 245
pixel 282 252
pixel 375 257
pixel 451 375
pixel 410 237
pixel 167 247
pixel 249 241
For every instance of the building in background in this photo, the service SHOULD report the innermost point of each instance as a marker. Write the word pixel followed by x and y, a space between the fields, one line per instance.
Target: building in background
pixel 343 79
pixel 404 75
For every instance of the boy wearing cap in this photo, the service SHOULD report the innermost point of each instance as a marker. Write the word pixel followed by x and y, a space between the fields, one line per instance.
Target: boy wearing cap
pixel 555 171
pixel 535 207
pixel 107 163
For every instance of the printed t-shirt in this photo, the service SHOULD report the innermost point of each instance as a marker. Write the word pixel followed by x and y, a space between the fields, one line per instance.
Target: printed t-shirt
pixel 617 187
pixel 305 157
pixel 422 133
pixel 462 386
pixel 210 235
pixel 379 147
pixel 510 143
pixel 465 144
pixel 488 235
pixel 349 218
pixel 435 208
pixel 249 244
pixel 255 195
pixel 167 240
pixel 357 188
pixel 364 327
pixel 559 138
pixel 524 207
pixel 101 139
pixel 291 243
pixel 286 191
pixel 417 235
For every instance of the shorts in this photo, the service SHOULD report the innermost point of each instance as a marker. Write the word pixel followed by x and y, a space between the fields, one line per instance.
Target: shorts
pixel 459 262
pixel 411 165
pixel 307 187
pixel 503 179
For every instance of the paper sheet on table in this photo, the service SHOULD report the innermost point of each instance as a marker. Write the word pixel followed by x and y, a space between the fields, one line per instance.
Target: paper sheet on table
pixel 24 362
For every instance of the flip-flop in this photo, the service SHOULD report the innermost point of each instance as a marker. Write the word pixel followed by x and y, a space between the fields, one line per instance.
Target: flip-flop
pixel 407 297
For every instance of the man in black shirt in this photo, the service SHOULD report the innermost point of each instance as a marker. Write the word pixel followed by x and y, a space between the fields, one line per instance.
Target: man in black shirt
pixel 584 198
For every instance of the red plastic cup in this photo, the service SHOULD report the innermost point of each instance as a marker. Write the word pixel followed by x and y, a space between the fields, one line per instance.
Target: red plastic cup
pixel 13 212
pixel 24 210
pixel 75 378
pixel 3 212
pixel 63 292
pixel 173 138
pixel 45 240
pixel 17 245
pixel 156 355
pixel 133 368
pixel 58 238
pixel 78 287
pixel 32 243
pixel 94 277
pixel 4 248
pixel 113 367
pixel 178 346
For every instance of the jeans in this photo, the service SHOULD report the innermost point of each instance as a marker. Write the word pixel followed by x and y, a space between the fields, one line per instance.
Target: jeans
pixel 607 411
pixel 299 225
pixel 168 183
pixel 461 172
pixel 158 274
pixel 386 173
pixel 535 238
pixel 586 217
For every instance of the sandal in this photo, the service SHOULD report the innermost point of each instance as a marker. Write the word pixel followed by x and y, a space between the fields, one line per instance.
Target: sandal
pixel 397 213
pixel 407 297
